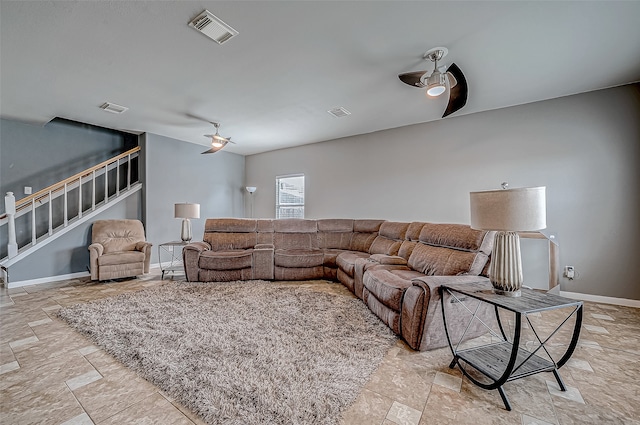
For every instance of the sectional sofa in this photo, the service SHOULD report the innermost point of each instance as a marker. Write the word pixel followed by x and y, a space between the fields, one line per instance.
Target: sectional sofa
pixel 395 268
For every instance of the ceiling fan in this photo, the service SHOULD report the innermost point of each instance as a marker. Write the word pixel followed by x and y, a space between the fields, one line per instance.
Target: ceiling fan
pixel 436 81
pixel 217 141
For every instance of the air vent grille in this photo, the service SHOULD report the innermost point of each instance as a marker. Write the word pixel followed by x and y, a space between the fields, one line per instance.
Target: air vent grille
pixel 339 112
pixel 213 27
pixel 113 108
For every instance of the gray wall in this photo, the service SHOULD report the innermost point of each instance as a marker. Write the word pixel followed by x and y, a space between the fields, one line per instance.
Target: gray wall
pixel 39 156
pixel 584 148
pixel 69 253
pixel 176 172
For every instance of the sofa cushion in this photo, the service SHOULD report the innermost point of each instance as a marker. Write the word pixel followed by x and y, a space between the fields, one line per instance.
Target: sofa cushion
pixel 295 225
pixel 226 260
pixel 366 225
pixel 389 238
pixel 457 236
pixel 124 257
pixel 298 273
pixel 346 261
pixel 340 225
pixel 298 258
pixel 117 235
pixel 387 287
pixel 330 257
pixel 438 261
pixel 334 240
pixel 230 225
pixel 224 241
pixel 362 241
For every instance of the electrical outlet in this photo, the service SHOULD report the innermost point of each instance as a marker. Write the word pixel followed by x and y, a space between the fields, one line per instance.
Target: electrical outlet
pixel 27 190
pixel 569 272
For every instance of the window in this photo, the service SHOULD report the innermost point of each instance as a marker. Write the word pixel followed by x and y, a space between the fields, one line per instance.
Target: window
pixel 290 196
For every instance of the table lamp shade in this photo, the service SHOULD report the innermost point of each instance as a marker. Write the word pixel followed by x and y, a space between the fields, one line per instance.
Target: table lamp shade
pixel 508 211
pixel 516 210
pixel 185 212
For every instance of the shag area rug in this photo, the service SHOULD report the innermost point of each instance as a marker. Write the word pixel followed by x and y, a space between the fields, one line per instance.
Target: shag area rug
pixel 251 352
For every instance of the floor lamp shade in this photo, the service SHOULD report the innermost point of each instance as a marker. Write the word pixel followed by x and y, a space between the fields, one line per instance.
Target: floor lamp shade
pixel 508 211
pixel 185 212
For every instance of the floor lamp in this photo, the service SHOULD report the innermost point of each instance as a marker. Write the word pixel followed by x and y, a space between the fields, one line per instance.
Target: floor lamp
pixel 185 212
pixel 251 190
pixel 508 211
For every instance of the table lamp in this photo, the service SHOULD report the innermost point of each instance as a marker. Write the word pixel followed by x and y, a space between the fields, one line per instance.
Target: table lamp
pixel 185 212
pixel 508 211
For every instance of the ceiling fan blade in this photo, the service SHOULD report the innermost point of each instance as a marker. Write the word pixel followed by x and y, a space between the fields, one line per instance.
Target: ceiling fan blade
pixel 413 78
pixel 458 93
pixel 215 149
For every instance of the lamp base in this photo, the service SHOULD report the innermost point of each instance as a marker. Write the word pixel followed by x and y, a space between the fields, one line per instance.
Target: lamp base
pixel 186 230
pixel 505 270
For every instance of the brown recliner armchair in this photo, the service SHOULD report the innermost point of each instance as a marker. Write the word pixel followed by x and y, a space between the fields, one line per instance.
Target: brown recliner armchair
pixel 118 249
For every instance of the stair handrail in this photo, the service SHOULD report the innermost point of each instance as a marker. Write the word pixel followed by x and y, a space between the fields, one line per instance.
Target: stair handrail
pixel 13 206
pixel 24 202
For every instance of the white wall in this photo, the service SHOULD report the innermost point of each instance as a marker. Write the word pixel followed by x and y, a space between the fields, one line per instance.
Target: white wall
pixel 175 171
pixel 584 148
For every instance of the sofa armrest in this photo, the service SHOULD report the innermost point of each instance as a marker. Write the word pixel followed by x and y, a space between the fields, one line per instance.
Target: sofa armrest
pixel 421 316
pixel 263 257
pixel 265 246
pixel 190 257
pixel 95 250
pixel 388 259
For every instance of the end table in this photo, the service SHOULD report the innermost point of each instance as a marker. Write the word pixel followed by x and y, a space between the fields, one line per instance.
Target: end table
pixel 172 251
pixel 505 360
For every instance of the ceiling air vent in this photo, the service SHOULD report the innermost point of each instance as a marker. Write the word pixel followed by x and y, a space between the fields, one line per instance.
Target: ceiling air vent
pixel 339 112
pixel 113 108
pixel 213 27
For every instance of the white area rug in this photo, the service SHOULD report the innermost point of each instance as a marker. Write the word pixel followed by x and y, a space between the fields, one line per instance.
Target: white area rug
pixel 243 352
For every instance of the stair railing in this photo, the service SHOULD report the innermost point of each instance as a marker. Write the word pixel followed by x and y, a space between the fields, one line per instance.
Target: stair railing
pixel 15 209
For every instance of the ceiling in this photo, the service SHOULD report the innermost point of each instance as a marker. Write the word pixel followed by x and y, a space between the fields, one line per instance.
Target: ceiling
pixel 271 86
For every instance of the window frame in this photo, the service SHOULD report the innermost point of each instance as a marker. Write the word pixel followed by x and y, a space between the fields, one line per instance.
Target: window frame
pixel 279 206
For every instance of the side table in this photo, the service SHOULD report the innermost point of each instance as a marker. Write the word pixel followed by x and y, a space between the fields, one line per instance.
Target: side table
pixel 172 251
pixel 505 360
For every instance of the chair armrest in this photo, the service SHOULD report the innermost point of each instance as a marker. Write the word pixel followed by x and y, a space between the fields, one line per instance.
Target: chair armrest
pixel 143 246
pixel 190 258
pixel 95 250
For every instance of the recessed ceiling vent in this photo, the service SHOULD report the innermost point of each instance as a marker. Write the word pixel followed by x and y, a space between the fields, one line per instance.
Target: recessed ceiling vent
pixel 113 108
pixel 213 27
pixel 339 112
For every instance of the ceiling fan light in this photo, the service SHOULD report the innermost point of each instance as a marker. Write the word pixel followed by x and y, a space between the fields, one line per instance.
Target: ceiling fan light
pixel 436 90
pixel 436 84
pixel 218 141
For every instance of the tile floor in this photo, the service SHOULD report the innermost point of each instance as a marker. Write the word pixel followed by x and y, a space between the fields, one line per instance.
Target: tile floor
pixel 51 375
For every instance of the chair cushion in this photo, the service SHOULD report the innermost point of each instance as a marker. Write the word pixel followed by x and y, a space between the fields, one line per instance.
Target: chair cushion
pixel 117 235
pixel 298 257
pixel 124 257
pixel 226 260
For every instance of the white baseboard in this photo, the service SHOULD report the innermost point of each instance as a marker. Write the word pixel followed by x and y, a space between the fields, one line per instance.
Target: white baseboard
pixel 601 299
pixel 47 279
pixel 50 279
